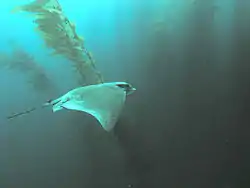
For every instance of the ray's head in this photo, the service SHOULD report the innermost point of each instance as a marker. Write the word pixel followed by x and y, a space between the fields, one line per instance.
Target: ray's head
pixel 128 88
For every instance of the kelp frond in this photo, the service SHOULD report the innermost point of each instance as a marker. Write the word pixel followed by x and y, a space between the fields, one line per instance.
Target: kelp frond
pixel 60 35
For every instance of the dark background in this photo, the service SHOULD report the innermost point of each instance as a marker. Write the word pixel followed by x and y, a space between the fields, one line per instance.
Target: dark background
pixel 187 125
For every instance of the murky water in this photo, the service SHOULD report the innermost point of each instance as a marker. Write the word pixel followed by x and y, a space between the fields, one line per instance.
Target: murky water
pixel 187 125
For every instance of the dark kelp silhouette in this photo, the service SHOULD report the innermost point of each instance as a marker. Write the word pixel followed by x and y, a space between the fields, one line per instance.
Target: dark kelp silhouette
pixel 22 61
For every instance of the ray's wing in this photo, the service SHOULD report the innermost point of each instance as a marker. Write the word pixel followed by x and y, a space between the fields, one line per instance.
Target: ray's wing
pixel 103 103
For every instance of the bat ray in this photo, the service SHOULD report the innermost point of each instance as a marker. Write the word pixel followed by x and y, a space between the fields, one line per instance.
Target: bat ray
pixel 103 101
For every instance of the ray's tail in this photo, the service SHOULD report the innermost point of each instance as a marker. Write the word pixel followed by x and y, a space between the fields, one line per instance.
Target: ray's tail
pixel 21 113
pixel 48 103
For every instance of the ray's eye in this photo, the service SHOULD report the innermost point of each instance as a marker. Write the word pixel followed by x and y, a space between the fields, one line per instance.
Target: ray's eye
pixel 124 86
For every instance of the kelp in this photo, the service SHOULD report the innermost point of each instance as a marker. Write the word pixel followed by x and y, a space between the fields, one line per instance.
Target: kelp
pixel 21 61
pixel 59 34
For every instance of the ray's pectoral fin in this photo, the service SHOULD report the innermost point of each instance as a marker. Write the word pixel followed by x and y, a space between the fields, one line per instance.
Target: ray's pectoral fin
pixel 107 119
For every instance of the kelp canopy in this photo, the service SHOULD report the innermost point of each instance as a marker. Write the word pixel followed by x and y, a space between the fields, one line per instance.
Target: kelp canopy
pixel 60 35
